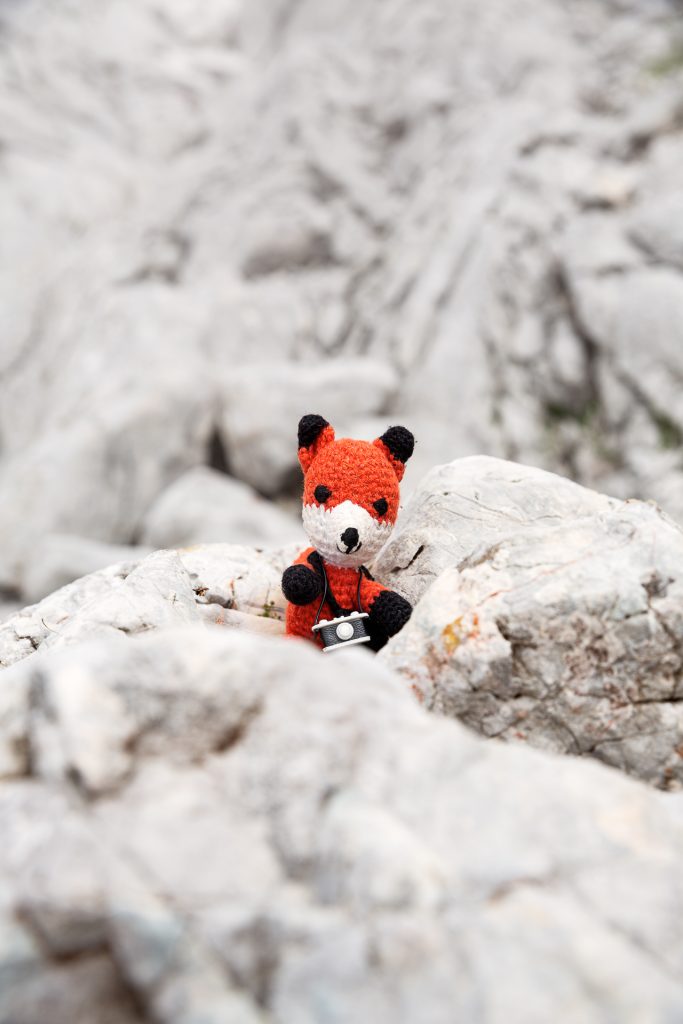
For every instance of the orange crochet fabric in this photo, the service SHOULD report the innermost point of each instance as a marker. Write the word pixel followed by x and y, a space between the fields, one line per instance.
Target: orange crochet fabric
pixel 344 586
pixel 350 503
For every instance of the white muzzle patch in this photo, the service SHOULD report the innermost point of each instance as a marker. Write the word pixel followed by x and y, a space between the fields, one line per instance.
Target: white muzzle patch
pixel 346 534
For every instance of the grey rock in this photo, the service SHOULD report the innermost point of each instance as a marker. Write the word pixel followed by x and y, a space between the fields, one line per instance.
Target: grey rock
pixel 356 853
pixel 260 433
pixel 73 470
pixel 58 559
pixel 565 634
pixel 9 608
pixel 53 961
pixel 24 632
pixel 242 831
pixel 14 697
pixel 239 578
pixel 656 226
pixel 467 505
pixel 635 318
pixel 155 594
pixel 204 506
pixel 431 231
pixel 222 584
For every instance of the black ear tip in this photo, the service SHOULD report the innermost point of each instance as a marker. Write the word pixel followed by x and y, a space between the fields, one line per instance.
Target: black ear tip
pixel 400 442
pixel 311 427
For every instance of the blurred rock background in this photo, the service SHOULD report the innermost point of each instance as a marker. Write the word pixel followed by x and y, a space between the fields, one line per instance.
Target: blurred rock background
pixel 463 215
pixel 467 216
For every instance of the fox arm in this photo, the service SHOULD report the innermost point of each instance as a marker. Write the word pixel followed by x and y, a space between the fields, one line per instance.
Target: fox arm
pixel 387 608
pixel 301 584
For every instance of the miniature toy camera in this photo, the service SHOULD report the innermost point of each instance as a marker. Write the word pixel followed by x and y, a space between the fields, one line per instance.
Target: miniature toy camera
pixel 344 631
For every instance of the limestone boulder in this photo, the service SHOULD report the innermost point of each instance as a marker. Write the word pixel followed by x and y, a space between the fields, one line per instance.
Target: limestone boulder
pixel 467 505
pixel 564 632
pixel 205 506
pixel 216 826
pixel 223 584
pixel 263 405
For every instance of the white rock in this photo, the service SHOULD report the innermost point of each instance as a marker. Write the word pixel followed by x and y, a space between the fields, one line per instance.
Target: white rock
pixel 656 225
pixel 564 633
pixel 466 506
pixel 418 229
pixel 58 559
pixel 355 852
pixel 24 632
pixel 239 578
pixel 222 584
pixel 204 506
pixel 156 594
pixel 263 405
pixel 86 482
pixel 8 608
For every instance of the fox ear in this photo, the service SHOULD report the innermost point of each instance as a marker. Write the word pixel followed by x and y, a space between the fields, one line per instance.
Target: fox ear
pixel 314 434
pixel 397 443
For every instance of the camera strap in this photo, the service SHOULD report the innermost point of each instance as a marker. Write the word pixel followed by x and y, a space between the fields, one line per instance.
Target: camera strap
pixel 316 560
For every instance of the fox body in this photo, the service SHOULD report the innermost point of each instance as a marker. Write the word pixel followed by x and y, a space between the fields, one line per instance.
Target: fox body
pixel 350 504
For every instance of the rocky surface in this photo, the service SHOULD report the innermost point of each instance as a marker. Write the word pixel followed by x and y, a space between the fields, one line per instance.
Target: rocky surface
pixel 205 506
pixel 360 859
pixel 59 559
pixel 468 504
pixel 224 584
pixel 478 202
pixel 545 613
pixel 568 635
pixel 263 406
pixel 457 215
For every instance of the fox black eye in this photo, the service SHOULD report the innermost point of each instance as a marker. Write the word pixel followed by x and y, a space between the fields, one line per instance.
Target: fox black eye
pixel 322 493
pixel 380 506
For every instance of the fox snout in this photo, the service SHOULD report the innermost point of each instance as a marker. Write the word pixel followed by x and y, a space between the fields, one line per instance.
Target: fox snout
pixel 346 534
pixel 350 539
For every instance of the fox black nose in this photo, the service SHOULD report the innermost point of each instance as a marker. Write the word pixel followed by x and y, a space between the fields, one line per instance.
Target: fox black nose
pixel 349 538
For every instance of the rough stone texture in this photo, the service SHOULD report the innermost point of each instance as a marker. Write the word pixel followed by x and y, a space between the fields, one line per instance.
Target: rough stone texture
pixel 468 504
pixel 359 859
pixel 545 612
pixel 204 506
pixel 481 198
pixel 558 621
pixel 223 584
pixel 463 193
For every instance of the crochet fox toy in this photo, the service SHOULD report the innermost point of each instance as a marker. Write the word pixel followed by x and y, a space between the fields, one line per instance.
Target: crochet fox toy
pixel 350 504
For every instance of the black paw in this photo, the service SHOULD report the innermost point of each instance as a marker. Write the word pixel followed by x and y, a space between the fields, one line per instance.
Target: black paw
pixel 301 585
pixel 390 611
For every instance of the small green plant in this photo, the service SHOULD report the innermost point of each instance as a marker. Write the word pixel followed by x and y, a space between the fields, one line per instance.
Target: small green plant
pixel 268 610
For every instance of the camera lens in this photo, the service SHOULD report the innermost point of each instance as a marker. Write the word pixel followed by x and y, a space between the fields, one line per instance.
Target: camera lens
pixel 344 631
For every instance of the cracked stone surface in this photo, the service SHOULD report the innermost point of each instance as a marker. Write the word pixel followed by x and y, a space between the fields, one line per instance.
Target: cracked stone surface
pixel 468 504
pixel 459 215
pixel 489 246
pixel 360 859
pixel 224 584
pixel 562 626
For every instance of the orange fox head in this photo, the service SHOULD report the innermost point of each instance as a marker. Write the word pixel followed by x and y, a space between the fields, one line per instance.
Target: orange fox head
pixel 351 490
